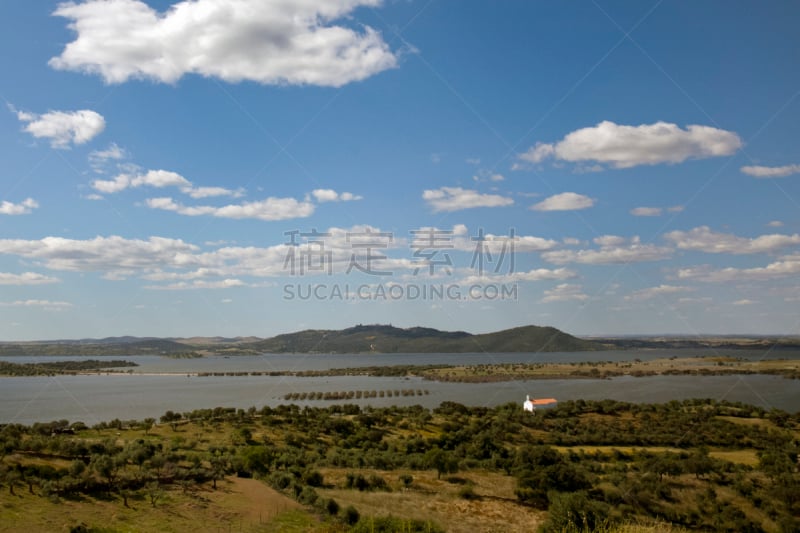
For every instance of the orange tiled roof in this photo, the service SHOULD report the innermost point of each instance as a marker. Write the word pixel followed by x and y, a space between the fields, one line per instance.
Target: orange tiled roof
pixel 543 401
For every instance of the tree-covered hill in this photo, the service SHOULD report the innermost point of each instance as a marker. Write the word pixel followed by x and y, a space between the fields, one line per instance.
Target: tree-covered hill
pixel 389 339
pixel 357 339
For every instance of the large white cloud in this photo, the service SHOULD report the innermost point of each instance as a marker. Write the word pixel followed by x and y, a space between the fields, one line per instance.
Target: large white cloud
pixel 456 199
pixel 152 178
pixel 269 209
pixel 178 264
pixel 703 239
pixel 622 146
pixel 566 201
pixel 771 172
pixel 63 128
pixel 25 207
pixel 160 179
pixel 160 259
pixel 267 41
pixel 113 255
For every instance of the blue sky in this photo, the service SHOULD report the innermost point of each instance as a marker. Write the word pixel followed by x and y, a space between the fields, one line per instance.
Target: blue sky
pixel 638 161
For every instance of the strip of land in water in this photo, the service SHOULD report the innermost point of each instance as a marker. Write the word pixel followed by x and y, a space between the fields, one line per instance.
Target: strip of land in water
pixel 51 368
pixel 482 373
pixel 673 366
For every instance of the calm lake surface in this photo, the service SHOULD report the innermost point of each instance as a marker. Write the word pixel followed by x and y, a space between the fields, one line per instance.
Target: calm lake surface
pixel 160 384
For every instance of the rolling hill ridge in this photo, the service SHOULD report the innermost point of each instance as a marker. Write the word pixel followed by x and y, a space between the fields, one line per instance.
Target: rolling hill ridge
pixel 358 339
pixel 390 339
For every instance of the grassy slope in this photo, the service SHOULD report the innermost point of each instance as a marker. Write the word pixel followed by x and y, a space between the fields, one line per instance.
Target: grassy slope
pixel 434 499
pixel 239 504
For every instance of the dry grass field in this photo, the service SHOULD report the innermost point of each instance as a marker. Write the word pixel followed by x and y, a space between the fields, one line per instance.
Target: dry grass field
pixel 237 505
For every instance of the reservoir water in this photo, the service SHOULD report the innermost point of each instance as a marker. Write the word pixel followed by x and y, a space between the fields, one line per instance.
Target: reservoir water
pixel 159 384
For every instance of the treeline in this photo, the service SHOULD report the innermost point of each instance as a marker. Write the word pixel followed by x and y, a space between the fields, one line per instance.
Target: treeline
pixel 372 371
pixel 596 373
pixel 712 344
pixel 490 373
pixel 353 394
pixel 583 490
pixel 50 368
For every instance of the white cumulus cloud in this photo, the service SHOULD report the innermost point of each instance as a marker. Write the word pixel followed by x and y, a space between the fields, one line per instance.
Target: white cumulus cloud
pixel 269 209
pixel 565 292
pixel 621 146
pixel 25 207
pixel 788 266
pixel 703 239
pixel 211 192
pixel 329 195
pixel 612 250
pixel 566 201
pixel 114 254
pixel 429 239
pixel 536 274
pixel 456 199
pixel 538 153
pixel 160 179
pixel 266 41
pixel 119 183
pixel 164 260
pixel 63 128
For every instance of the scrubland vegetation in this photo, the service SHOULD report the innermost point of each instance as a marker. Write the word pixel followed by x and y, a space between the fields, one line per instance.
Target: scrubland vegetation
pixel 697 465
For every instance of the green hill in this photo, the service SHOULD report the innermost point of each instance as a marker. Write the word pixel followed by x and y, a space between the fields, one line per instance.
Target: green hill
pixel 389 339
